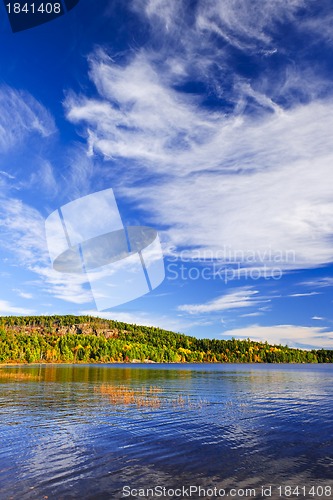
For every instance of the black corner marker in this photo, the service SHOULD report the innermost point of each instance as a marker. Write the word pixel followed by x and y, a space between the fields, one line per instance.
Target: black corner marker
pixel 25 15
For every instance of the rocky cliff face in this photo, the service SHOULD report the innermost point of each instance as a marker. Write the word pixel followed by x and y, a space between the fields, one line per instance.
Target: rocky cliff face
pixel 82 328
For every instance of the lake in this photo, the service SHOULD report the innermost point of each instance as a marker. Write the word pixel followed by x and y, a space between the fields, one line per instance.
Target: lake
pixel 113 431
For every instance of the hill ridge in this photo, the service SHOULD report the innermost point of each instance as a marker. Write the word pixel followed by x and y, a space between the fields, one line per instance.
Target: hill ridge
pixel 89 339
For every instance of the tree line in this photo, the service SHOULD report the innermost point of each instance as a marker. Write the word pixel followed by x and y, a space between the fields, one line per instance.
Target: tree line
pixel 86 339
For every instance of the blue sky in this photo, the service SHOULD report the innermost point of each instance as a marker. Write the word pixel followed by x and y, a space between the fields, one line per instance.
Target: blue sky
pixel 212 122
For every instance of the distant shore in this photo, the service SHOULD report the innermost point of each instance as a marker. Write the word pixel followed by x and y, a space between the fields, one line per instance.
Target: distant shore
pixel 129 363
pixel 90 340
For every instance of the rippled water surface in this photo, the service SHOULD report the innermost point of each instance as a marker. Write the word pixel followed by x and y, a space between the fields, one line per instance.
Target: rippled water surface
pixel 87 431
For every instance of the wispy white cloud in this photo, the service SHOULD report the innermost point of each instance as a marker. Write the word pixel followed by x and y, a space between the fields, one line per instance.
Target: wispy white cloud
pixel 139 117
pixel 306 294
pixel 22 231
pixel 319 282
pixel 21 224
pixel 199 43
pixel 22 294
pixel 243 24
pixel 7 309
pixel 84 174
pixel 223 171
pixel 68 287
pixel 23 237
pixel 247 26
pixel 321 24
pixel 235 299
pixel 253 314
pixel 291 335
pixel 21 114
pixel 43 178
pixel 6 174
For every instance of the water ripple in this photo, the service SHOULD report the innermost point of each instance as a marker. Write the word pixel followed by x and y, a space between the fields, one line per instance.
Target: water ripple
pixel 61 437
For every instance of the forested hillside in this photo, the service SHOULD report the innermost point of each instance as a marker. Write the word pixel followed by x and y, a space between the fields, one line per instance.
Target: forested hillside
pixel 85 339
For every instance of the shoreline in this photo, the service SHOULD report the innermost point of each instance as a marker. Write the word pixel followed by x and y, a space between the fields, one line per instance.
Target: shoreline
pixel 130 363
